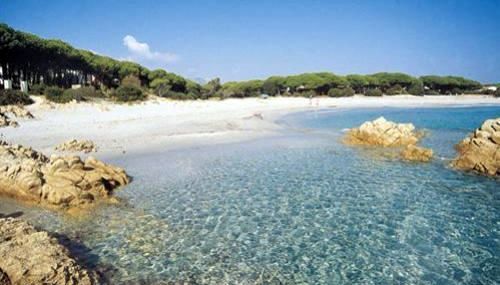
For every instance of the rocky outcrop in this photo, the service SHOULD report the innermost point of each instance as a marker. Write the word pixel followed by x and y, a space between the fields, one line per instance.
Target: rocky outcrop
pixel 6 112
pixel 387 134
pixel 416 153
pixel 77 146
pixel 480 152
pixel 4 279
pixel 5 121
pixel 58 181
pixel 381 132
pixel 29 257
pixel 16 111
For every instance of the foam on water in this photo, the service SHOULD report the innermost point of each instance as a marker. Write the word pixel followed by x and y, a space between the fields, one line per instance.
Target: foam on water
pixel 298 208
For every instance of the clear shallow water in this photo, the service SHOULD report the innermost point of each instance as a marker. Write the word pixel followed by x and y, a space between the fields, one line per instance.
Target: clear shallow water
pixel 298 208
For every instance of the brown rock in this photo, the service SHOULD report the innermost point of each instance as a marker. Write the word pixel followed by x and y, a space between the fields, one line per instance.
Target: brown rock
pixel 480 152
pixel 381 132
pixel 56 181
pixel 29 257
pixel 16 111
pixel 75 145
pixel 6 121
pixel 416 153
pixel 4 279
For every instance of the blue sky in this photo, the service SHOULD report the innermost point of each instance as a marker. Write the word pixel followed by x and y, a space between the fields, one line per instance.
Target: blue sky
pixel 237 40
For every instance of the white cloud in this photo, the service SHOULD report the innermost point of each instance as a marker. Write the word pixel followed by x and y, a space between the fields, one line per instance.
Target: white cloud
pixel 140 51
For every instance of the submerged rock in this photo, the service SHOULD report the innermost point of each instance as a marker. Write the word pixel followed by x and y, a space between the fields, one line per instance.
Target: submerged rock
pixel 75 145
pixel 29 257
pixel 56 181
pixel 381 132
pixel 480 152
pixel 416 153
pixel 387 134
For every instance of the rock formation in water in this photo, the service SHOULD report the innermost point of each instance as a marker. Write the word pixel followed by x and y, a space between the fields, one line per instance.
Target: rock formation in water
pixel 32 257
pixel 480 151
pixel 381 132
pixel 13 110
pixel 56 181
pixel 77 146
pixel 416 153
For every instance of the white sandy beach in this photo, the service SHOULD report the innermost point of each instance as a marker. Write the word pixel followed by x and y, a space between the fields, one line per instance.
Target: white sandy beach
pixel 160 123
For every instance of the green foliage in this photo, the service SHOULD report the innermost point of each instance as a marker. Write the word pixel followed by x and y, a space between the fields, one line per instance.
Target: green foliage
pixel 131 80
pixel 375 92
pixel 341 92
pixel 432 92
pixel 212 88
pixel 357 82
pixel 70 95
pixel 170 85
pixel 394 90
pixel 38 89
pixel 86 92
pixel 58 63
pixel 180 96
pixel 416 88
pixel 54 94
pixel 193 90
pixel 320 82
pixel 242 89
pixel 274 85
pixel 388 80
pixel 59 95
pixel 14 97
pixel 55 63
pixel 128 93
pixel 450 84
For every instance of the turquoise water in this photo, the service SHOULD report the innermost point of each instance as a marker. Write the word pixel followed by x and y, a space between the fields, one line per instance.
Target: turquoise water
pixel 298 208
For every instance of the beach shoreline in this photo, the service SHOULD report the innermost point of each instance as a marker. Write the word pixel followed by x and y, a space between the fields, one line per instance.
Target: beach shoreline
pixel 161 124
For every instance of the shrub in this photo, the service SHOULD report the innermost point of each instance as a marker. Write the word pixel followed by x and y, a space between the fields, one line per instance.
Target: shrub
pixel 307 94
pixel 432 92
pixel 59 95
pixel 416 89
pixel 183 96
pixel 179 95
pixel 131 80
pixel 373 92
pixel 456 91
pixel 394 90
pixel 341 92
pixel 497 92
pixel 128 93
pixel 54 93
pixel 14 97
pixel 38 89
pixel 87 92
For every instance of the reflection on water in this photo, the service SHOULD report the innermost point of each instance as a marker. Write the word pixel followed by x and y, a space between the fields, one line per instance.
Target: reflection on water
pixel 298 208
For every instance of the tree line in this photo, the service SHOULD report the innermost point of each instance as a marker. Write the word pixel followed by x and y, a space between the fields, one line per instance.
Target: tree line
pixel 38 61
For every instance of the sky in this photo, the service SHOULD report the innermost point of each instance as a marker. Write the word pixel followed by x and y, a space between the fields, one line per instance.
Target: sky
pixel 252 39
